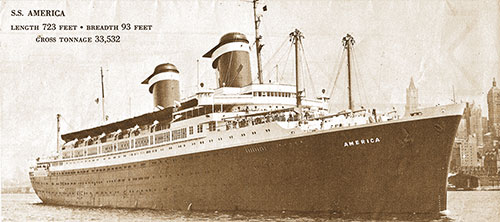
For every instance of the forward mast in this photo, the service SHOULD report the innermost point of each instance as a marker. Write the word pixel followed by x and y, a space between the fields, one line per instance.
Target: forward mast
pixel 258 46
pixel 348 42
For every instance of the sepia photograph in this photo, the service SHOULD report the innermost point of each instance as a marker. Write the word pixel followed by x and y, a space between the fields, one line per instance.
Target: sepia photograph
pixel 250 110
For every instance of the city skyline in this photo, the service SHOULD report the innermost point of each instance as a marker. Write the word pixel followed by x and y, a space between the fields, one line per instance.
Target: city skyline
pixel 475 150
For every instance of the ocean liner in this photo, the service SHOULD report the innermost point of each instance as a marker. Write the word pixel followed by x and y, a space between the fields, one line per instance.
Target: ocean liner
pixel 254 146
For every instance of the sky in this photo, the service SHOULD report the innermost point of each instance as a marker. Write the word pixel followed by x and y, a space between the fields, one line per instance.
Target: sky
pixel 442 45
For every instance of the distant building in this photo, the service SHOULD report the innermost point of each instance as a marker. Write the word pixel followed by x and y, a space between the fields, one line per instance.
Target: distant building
pixel 464 154
pixel 411 98
pixel 469 152
pixel 489 143
pixel 484 122
pixel 455 162
pixel 462 129
pixel 471 124
pixel 474 122
pixel 494 110
pixel 492 162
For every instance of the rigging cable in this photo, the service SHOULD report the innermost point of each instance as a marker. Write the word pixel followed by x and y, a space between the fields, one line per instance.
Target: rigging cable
pixel 356 76
pixel 340 57
pixel 275 53
pixel 337 76
pixel 48 140
pixel 67 123
pixel 363 87
pixel 287 58
pixel 307 66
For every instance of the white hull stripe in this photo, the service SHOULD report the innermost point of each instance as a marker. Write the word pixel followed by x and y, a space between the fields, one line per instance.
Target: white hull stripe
pixel 230 47
pixel 163 76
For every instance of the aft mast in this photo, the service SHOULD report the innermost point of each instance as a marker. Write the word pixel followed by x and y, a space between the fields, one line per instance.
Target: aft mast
pixel 258 46
pixel 296 37
pixel 348 42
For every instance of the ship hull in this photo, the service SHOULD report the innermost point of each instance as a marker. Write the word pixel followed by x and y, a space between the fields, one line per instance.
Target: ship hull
pixel 398 167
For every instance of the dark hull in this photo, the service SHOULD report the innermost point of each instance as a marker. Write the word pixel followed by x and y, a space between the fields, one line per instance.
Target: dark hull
pixel 405 172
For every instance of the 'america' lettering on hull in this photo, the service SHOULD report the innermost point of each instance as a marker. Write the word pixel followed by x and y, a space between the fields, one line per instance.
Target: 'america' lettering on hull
pixel 361 142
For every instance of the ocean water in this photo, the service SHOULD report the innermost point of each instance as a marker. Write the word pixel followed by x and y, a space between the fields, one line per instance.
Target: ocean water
pixel 462 206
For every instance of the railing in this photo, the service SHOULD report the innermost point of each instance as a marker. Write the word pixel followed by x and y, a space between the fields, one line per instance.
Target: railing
pixel 127 143
pixel 162 137
pixel 123 145
pixel 141 141
pixel 341 119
